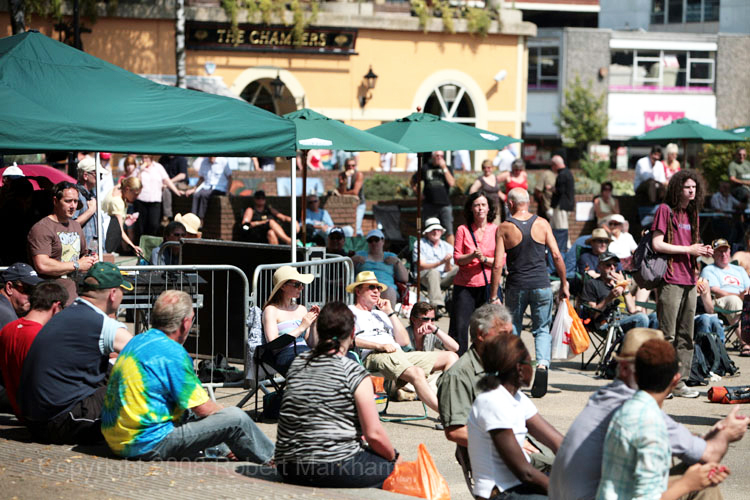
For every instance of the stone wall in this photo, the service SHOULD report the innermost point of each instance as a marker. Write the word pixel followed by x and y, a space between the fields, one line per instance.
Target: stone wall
pixel 586 51
pixel 732 90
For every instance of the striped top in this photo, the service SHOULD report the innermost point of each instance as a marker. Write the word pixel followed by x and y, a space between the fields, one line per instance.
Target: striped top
pixel 318 420
pixel 286 327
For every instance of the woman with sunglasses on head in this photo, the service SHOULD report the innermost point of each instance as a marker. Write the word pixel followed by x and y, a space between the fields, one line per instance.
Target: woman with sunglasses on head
pixel 386 265
pixel 474 254
pixel 425 334
pixel 283 315
pixel 499 421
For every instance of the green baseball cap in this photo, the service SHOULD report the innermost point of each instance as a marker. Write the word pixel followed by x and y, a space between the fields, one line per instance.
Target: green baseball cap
pixel 106 275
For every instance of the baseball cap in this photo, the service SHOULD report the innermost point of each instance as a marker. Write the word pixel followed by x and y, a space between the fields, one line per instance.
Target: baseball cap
pixel 336 230
pixel 721 242
pixel 375 233
pixel 87 164
pixel 21 272
pixel 105 156
pixel 105 275
pixel 606 256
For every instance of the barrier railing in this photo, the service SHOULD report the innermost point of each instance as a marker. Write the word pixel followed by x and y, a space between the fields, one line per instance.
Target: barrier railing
pixel 331 277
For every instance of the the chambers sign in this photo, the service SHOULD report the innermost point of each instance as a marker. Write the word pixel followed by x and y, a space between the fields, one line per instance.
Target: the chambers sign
pixel 273 38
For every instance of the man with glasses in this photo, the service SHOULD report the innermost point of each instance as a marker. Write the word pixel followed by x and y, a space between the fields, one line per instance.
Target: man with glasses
pixel 352 183
pixel 169 255
pixel 380 336
pixel 435 263
pixel 153 384
pixel 609 286
pixel 57 245
pixel 588 262
pixel 425 334
pixel 437 179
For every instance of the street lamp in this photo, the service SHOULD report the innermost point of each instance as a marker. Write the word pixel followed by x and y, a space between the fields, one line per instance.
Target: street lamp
pixel 370 81
pixel 278 87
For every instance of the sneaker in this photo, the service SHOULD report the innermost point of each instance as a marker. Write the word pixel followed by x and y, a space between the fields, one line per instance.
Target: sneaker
pixel 539 387
pixel 683 391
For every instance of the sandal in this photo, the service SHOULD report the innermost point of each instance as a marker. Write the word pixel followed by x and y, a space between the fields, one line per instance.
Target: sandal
pixel 745 351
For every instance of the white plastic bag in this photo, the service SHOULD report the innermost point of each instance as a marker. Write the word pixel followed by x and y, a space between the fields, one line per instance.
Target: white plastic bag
pixel 561 333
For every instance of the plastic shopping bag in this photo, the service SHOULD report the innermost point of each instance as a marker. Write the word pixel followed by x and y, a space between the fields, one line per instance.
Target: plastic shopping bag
pixel 579 337
pixel 561 334
pixel 418 479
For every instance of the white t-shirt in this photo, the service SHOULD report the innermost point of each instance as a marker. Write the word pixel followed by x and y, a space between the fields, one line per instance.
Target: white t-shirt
pixel 504 160
pixel 644 171
pixel 374 326
pixel 496 409
pixel 624 246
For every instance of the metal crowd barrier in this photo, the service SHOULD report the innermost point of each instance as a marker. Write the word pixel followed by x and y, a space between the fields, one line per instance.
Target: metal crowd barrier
pixel 331 277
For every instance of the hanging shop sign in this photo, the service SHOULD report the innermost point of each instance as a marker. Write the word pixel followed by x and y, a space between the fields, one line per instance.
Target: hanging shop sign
pixel 269 38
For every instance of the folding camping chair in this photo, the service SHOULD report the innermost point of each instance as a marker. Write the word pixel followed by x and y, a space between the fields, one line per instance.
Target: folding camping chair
pixel 605 333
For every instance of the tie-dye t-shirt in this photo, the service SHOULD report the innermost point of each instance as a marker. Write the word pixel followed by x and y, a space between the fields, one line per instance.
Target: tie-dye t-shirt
pixel 152 383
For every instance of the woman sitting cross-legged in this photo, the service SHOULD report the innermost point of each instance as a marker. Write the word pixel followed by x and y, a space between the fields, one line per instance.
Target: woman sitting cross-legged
pixel 283 315
pixel 327 408
pixel 500 418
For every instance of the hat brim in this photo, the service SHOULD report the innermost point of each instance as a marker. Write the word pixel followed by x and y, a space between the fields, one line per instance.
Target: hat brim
pixel 352 286
pixel 31 280
pixel 432 228
pixel 588 241
pixel 302 278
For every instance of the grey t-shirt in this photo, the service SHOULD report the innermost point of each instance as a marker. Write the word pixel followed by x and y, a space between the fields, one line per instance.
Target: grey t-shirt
pixel 577 467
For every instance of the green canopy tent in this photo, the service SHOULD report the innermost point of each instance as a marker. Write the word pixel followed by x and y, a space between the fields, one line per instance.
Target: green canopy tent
pixel 57 98
pixel 315 130
pixel 424 133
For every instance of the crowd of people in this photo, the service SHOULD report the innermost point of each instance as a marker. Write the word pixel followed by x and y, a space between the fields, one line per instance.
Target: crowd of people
pixel 73 373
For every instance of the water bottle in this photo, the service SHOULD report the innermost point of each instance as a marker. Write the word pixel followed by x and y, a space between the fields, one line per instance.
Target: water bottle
pixel 219 451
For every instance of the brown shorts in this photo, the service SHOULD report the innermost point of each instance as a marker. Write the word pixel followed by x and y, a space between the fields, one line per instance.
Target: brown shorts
pixel 392 364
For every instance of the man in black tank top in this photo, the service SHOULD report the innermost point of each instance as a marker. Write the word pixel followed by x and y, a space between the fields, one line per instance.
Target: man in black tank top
pixel 526 239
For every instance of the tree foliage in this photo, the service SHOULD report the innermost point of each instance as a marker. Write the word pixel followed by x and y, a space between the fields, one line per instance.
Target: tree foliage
pixel 715 160
pixel 582 118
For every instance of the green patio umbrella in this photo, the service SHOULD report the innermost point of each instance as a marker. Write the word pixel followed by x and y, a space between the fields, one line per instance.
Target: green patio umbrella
pixel 315 130
pixel 424 133
pixel 743 131
pixel 686 130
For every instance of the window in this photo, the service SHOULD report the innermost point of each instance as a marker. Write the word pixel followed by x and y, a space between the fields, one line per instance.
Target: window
pixel 543 67
pixel 451 102
pixel 684 11
pixel 674 70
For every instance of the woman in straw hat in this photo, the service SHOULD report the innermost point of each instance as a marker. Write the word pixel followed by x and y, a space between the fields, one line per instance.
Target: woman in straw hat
pixel 283 315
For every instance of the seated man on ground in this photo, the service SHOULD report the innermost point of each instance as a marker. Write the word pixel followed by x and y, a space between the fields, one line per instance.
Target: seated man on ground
pixel 47 299
pixel 729 283
pixel 577 470
pixel 637 456
pixel 609 287
pixel 153 383
pixel 63 382
pixel 260 223
pixel 380 336
pixel 424 334
pixel 436 269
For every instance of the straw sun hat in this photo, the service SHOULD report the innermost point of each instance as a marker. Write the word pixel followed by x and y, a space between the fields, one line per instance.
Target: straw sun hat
pixel 284 274
pixel 191 222
pixel 365 278
pixel 634 339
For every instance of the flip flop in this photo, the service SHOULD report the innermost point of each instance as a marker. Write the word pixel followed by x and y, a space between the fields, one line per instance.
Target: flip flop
pixel 745 351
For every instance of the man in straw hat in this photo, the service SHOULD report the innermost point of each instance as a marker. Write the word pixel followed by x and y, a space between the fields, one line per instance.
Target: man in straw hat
pixel 576 471
pixel 436 269
pixel 63 382
pixel 380 335
pixel 588 262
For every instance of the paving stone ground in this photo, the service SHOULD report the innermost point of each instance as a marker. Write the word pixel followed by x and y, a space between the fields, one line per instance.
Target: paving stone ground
pixel 32 471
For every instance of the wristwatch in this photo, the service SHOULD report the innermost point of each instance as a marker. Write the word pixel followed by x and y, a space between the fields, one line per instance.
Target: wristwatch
pixel 76 265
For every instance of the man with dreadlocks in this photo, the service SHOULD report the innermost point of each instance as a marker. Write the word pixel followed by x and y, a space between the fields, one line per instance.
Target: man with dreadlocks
pixel 675 233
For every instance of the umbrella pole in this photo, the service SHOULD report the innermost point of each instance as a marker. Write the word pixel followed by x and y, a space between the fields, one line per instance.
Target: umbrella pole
pixel 97 214
pixel 419 222
pixel 303 211
pixel 293 230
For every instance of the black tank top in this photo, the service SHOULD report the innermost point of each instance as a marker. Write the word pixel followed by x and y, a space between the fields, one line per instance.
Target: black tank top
pixel 527 261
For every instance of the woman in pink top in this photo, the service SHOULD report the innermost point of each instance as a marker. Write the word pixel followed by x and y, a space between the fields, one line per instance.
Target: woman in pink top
pixel 474 254
pixel 153 178
pixel 676 233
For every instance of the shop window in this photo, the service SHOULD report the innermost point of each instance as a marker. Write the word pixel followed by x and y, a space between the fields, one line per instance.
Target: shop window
pixel 544 67
pixel 684 11
pixel 644 70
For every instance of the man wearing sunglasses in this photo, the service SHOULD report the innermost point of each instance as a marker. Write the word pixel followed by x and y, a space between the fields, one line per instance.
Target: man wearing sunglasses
pixel 424 333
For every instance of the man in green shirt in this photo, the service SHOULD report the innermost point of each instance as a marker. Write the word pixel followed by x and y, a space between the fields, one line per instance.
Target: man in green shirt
pixel 739 175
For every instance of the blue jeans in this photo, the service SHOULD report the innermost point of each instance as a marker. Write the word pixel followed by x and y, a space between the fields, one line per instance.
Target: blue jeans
pixel 360 217
pixel 710 323
pixel 637 320
pixel 540 301
pixel 228 425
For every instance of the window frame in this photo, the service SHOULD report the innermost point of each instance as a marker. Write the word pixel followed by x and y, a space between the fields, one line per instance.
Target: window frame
pixel 541 79
pixel 658 81
pixel 663 16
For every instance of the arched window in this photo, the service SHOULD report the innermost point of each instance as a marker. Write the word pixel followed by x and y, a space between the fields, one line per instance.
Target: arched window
pixel 260 93
pixel 451 102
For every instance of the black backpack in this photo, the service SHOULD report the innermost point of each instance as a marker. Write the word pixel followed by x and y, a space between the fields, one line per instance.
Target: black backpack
pixel 709 356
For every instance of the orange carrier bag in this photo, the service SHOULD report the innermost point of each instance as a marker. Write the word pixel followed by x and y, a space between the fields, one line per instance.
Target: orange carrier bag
pixel 418 479
pixel 579 337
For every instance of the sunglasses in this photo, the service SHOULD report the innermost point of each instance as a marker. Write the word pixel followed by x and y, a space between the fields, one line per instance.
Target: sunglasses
pixel 296 284
pixel 373 287
pixel 425 318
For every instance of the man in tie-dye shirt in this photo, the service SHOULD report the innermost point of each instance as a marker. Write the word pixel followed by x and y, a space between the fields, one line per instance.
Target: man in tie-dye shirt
pixel 151 386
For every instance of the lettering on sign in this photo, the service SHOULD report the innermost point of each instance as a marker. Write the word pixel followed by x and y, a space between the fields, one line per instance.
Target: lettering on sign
pixel 656 119
pixel 256 37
